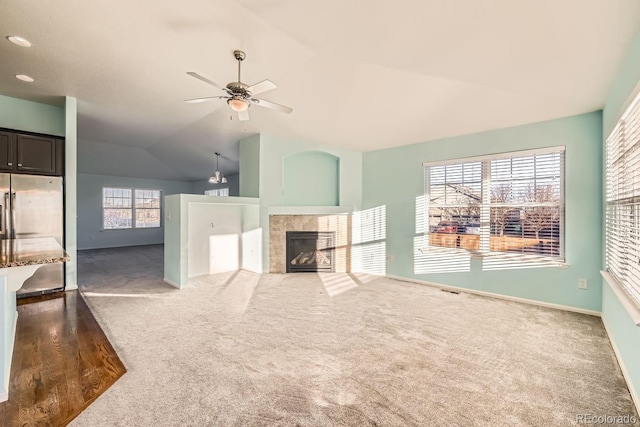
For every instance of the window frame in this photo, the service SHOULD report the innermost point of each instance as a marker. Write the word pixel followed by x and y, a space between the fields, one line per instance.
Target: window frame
pixel 622 205
pixel 133 209
pixel 517 260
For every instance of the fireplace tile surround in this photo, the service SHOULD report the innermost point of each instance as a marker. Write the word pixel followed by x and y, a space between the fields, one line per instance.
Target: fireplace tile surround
pixel 280 224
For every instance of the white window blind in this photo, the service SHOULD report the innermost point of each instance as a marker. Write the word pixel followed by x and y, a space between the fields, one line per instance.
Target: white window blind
pixel 121 205
pixel 623 201
pixel 508 208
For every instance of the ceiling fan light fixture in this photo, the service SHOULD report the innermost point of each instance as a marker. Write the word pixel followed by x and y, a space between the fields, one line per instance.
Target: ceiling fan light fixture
pixel 238 104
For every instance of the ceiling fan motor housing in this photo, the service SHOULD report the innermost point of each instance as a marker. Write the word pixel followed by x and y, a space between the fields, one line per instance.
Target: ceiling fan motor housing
pixel 239 89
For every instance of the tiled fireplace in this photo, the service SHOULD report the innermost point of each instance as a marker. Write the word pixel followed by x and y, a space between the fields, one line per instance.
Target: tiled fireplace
pixel 337 226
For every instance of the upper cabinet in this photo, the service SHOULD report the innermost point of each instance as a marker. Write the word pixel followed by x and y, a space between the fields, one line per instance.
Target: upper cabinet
pixel 7 148
pixel 37 154
pixel 33 154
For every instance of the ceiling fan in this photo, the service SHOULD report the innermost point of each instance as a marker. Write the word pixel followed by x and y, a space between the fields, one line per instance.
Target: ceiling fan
pixel 239 95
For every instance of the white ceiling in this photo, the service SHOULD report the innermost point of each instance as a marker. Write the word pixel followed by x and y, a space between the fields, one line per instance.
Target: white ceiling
pixel 361 74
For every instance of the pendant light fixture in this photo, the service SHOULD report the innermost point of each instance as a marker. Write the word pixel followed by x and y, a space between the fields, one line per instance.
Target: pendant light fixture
pixel 217 177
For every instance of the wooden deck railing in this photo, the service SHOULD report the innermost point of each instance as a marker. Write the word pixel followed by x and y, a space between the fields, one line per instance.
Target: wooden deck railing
pixel 472 241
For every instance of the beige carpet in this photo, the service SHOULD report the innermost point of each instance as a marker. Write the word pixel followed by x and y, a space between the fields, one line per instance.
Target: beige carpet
pixel 240 349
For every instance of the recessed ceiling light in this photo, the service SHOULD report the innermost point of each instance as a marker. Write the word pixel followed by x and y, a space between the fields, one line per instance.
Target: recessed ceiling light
pixel 24 78
pixel 20 41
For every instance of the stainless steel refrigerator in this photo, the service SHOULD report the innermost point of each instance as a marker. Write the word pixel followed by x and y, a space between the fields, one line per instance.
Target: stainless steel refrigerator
pixel 32 206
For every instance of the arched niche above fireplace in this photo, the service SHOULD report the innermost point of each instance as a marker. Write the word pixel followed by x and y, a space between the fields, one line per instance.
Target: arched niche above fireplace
pixel 311 178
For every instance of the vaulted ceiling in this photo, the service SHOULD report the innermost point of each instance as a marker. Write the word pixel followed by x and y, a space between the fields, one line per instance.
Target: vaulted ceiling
pixel 360 74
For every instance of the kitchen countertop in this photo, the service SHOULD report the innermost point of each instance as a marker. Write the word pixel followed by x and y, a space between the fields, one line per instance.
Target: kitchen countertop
pixel 31 251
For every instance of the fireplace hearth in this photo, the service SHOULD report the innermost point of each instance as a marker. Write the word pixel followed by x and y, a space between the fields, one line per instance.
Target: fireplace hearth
pixel 310 251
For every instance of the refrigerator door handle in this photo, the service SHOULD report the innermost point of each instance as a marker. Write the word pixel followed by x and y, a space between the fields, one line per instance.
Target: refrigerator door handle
pixel 4 226
pixel 11 229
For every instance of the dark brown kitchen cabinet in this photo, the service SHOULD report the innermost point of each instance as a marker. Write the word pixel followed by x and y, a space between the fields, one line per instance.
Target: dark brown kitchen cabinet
pixel 31 154
pixel 38 154
pixel 7 150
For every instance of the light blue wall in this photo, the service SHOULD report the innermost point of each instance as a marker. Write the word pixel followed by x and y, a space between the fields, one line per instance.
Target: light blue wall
pixel 249 185
pixel 626 82
pixel 272 151
pixel 624 334
pixel 90 233
pixel 311 178
pixel 199 187
pixel 402 184
pixel 31 116
pixel 71 191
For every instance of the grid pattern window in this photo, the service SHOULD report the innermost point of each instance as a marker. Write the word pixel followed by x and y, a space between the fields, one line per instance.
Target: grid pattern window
pixel 147 208
pixel 623 201
pixel 508 205
pixel 122 205
pixel 223 192
pixel 117 207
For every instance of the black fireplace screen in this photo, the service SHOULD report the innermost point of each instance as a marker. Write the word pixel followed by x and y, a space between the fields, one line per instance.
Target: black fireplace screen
pixel 310 251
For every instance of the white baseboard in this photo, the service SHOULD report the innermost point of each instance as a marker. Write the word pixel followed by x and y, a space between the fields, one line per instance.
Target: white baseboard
pixel 499 296
pixel 623 368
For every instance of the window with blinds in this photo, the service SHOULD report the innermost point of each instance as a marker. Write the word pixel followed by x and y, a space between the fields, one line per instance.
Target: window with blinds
pixel 623 201
pixel 508 208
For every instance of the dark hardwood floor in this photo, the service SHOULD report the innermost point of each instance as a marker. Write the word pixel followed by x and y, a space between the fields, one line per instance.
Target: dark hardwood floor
pixel 62 361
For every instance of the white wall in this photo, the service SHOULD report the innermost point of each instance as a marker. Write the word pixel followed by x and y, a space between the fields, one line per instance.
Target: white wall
pixel 234 217
pixel 8 316
pixel 251 239
pixel 214 238
pixel 90 233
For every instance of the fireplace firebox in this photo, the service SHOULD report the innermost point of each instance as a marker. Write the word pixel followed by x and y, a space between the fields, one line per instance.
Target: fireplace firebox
pixel 310 251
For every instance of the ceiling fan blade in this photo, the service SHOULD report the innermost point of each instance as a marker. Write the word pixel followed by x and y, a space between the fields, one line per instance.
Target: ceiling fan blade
pixel 263 86
pixel 272 105
pixel 205 99
pixel 204 79
pixel 243 115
